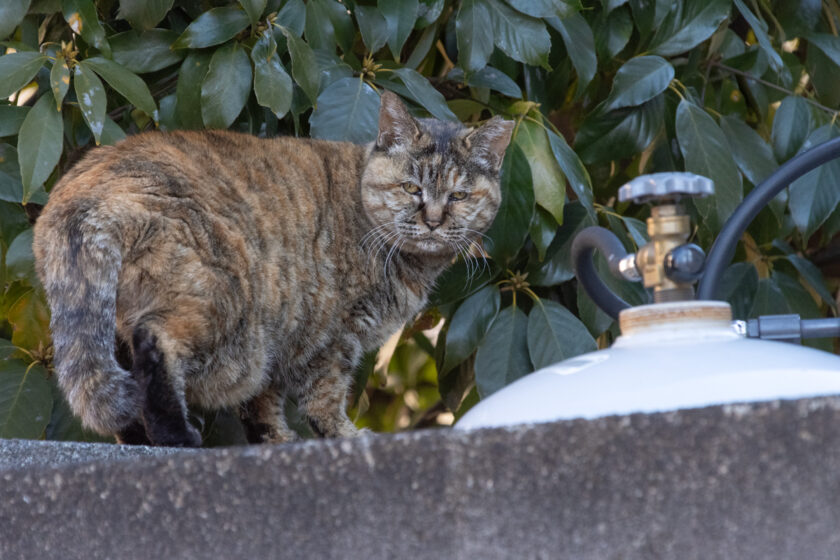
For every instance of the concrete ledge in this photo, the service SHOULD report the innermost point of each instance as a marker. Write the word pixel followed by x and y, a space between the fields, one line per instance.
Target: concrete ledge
pixel 746 481
pixel 28 454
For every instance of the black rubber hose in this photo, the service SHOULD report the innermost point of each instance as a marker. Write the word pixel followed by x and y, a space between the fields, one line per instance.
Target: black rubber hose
pixel 820 328
pixel 608 244
pixel 723 248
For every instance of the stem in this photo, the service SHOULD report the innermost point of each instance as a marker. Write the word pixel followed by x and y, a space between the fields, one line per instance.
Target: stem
pixel 771 85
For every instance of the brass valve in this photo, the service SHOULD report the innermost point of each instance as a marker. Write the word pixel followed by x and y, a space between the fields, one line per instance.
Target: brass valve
pixel 667 263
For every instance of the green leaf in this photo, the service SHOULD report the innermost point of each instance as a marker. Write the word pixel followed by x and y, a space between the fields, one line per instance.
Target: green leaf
pixel 145 52
pixel 502 357
pixel 40 143
pixel 332 68
pixel 791 126
pixel 613 33
pixel 226 86
pixel 347 110
pixel 17 70
pixel 707 153
pixel 30 320
pixel 554 335
pixel 683 29
pixel 638 80
pixel 6 348
pixel 827 43
pixel 20 262
pixel 488 77
pixel 11 189
pixel 213 27
pixel 111 133
pixel 82 18
pixel 92 99
pixel 648 14
pixel 343 27
pixel 456 384
pixel 546 8
pixel 574 170
pixel 457 282
pixel 428 12
pixel 11 118
pixel 188 91
pixel 469 324
pixel 318 28
pixel 738 286
pixel 25 400
pixel 425 94
pixel 254 9
pixel 13 220
pixel 272 85
pixel 812 275
pixel 611 135
pixel 508 232
pixel 814 196
pixel 542 231
pixel 144 14
pixel 129 85
pixel 59 80
pixel 293 17
pixel 305 69
pixel 580 44
pixel 12 13
pixel 548 182
pixel 753 155
pixel 558 266
pixel 373 27
pixel 760 30
pixel 400 15
pixel 521 37
pixel 475 44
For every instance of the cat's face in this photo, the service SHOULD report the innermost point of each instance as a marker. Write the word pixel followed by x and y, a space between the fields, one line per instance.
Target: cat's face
pixel 432 187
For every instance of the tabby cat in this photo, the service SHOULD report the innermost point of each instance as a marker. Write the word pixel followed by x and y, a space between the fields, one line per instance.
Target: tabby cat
pixel 234 270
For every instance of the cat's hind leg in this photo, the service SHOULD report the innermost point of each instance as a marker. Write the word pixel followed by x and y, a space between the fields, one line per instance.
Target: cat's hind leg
pixel 164 407
pixel 264 418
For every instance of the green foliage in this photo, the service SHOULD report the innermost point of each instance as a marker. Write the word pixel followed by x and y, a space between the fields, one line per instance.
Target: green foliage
pixel 601 91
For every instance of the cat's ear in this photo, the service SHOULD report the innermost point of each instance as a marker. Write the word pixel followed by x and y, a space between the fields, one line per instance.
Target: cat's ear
pixel 487 143
pixel 397 128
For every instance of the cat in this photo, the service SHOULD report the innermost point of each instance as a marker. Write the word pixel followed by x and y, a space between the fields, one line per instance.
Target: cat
pixel 238 270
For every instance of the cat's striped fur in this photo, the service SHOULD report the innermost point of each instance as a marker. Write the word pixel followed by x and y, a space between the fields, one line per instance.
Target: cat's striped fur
pixel 239 270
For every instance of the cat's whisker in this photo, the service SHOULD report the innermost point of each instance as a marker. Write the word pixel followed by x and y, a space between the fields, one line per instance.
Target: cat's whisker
pixel 372 235
pixel 472 231
pixel 478 248
pixel 384 241
pixel 469 259
pixel 394 248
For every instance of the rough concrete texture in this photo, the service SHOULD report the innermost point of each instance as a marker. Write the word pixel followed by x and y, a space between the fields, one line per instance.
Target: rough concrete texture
pixel 747 481
pixel 27 454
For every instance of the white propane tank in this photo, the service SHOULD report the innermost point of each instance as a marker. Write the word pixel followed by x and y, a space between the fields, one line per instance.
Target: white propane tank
pixel 670 356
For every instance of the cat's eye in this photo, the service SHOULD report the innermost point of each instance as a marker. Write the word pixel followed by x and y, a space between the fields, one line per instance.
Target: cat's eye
pixel 458 195
pixel 411 188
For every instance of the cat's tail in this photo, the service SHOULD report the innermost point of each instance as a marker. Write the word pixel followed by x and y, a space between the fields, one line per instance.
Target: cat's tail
pixel 78 257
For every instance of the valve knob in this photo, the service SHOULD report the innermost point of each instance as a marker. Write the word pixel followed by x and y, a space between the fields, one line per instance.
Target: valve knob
pixel 666 186
pixel 684 264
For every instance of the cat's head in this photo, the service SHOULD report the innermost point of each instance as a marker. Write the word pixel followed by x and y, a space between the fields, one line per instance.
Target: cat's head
pixel 431 187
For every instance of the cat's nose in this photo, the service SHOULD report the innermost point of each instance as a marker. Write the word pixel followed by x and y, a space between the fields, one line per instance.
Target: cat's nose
pixel 432 224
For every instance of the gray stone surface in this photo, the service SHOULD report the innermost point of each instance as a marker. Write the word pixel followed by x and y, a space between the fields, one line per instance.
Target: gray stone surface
pixel 747 481
pixel 26 454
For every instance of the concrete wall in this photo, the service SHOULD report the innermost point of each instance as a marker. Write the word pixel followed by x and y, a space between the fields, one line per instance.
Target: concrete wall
pixel 757 481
